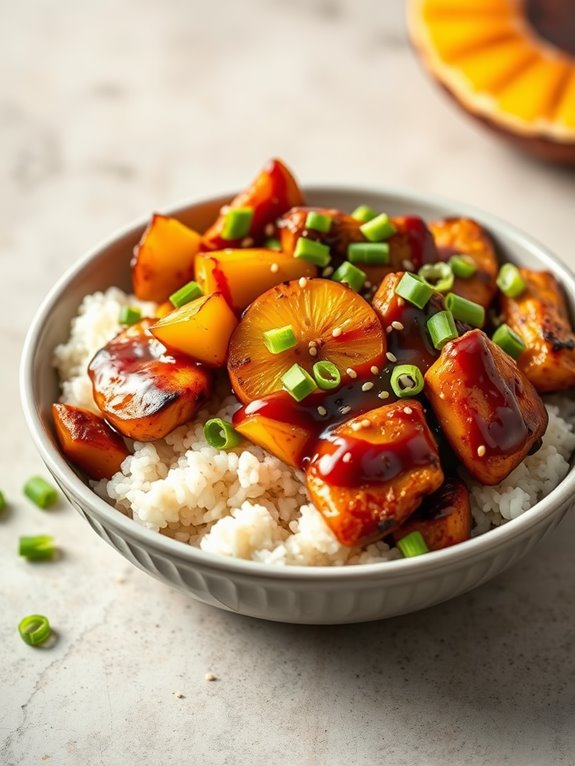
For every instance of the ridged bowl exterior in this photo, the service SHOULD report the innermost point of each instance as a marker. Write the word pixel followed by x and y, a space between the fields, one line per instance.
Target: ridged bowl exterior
pixel 315 595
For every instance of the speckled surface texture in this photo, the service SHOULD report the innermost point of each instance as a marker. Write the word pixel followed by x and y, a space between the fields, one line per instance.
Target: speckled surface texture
pixel 107 112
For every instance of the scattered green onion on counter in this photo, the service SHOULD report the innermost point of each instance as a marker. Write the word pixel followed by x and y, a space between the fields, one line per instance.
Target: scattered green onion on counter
pixel 37 547
pixel 41 493
pixel 34 629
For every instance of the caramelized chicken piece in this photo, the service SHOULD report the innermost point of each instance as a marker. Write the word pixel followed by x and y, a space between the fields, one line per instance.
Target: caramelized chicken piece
pixel 443 518
pixel 88 441
pixel 272 193
pixel 489 411
pixel 462 236
pixel 370 473
pixel 539 315
pixel 144 391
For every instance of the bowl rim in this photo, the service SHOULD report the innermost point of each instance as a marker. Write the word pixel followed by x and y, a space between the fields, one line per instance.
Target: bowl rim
pixel 415 567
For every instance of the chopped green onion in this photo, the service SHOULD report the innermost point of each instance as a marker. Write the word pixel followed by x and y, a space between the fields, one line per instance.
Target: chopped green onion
pixel 273 243
pixel 414 289
pixel 378 229
pixel 438 275
pixel 441 327
pixel 34 629
pixel 349 274
pixel 464 310
pixel 280 339
pixel 364 213
pixel 129 315
pixel 326 375
pixel 237 222
pixel 221 434
pixel 185 294
pixel 298 382
pixel 406 380
pixel 37 547
pixel 463 266
pixel 412 544
pixel 318 221
pixel 509 341
pixel 368 253
pixel 312 251
pixel 510 281
pixel 2 501
pixel 40 492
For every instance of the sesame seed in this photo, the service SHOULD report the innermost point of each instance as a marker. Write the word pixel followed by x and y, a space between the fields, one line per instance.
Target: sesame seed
pixel 356 426
pixel 269 230
pixel 345 410
pixel 312 343
pixel 383 395
pixel 322 410
pixel 367 386
pixel 336 332
pixel 346 458
pixel 352 373
pixel 365 423
pixel 375 370
pixel 397 325
pixel 388 329
pixel 481 450
pixel 408 265
pixel 274 268
pixel 327 272
pixel 390 356
pixel 312 351
pixel 179 695
pixel 367 284
pixel 211 677
pixel 302 281
pixel 247 242
pixel 408 410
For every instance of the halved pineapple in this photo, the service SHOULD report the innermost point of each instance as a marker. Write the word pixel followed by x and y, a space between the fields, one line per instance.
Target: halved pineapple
pixel 330 321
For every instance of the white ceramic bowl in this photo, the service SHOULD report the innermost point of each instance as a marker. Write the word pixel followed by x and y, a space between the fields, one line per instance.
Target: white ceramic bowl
pixel 289 594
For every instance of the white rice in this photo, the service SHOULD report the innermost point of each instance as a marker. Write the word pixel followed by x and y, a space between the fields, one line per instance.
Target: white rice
pixel 245 502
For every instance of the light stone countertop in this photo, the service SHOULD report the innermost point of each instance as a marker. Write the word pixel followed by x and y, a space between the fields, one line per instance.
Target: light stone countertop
pixel 111 110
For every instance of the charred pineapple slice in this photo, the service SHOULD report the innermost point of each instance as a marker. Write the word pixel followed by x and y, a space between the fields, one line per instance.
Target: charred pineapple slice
pixel 370 473
pixel 488 410
pixel 164 258
pixel 88 441
pixel 443 518
pixel 539 315
pixel 272 193
pixel 330 322
pixel 455 236
pixel 201 329
pixel 242 275
pixel 141 389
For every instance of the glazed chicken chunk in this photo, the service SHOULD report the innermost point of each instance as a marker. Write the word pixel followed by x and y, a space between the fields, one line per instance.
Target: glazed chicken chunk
pixel 488 410
pixel 539 316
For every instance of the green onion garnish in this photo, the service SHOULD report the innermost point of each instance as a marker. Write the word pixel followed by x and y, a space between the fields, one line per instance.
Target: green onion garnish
pixel 313 252
pixel 40 492
pixel 280 339
pixel 221 434
pixel 378 229
pixel 441 328
pixel 510 281
pixel 2 501
pixel 273 243
pixel 237 222
pixel 438 275
pixel 412 544
pixel 364 213
pixel 406 380
pixel 368 253
pixel 509 341
pixel 414 289
pixel 463 266
pixel 466 311
pixel 34 629
pixel 326 375
pixel 298 382
pixel 348 274
pixel 185 294
pixel 37 548
pixel 129 315
pixel 318 222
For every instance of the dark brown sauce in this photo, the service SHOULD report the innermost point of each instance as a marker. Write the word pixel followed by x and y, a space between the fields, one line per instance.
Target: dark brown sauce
pixel 421 244
pixel 554 21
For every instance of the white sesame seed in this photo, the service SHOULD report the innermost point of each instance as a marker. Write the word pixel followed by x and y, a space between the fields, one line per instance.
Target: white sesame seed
pixel 247 242
pixel 352 373
pixel 179 695
pixel 327 272
pixel 346 458
pixel 356 426
pixel 375 370
pixel 388 329
pixel 367 386
pixel 365 423
pixel 408 410
pixel 345 410
pixel 274 268
pixel 322 410
pixel 312 351
pixel 397 325
pixel 312 343
pixel 336 332
pixel 481 450
pixel 302 281
pixel 367 284
pixel 211 677
pixel 408 265
pixel 390 356
pixel 383 395
pixel 269 230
